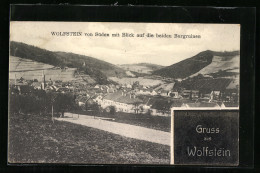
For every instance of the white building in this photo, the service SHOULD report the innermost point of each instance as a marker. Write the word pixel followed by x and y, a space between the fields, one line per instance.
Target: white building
pixel 123 102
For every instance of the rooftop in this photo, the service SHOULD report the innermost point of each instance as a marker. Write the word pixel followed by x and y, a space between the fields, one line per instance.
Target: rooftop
pixel 122 97
pixel 200 104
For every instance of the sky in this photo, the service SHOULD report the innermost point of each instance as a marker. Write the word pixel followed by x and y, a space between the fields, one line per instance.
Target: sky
pixel 129 50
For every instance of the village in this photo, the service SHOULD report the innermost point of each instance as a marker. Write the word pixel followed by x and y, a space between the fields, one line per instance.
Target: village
pixel 136 98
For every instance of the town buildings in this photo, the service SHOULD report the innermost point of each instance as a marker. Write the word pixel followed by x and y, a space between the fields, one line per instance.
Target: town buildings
pixel 139 99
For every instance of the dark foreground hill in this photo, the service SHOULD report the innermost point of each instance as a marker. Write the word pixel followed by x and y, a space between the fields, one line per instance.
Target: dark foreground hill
pixel 196 63
pixel 97 69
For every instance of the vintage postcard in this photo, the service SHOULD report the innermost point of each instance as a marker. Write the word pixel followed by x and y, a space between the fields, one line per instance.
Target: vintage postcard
pixel 124 93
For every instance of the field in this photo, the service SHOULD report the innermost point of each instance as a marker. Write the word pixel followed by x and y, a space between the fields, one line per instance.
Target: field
pixel 137 68
pixel 29 70
pixel 166 87
pixel 141 80
pixel 204 62
pixel 220 64
pixel 20 64
pixel 35 139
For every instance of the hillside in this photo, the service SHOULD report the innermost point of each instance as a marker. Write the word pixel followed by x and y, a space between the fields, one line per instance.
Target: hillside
pixel 206 63
pixel 106 68
pixel 145 68
pixel 97 69
pixel 31 70
pixel 151 66
pixel 17 64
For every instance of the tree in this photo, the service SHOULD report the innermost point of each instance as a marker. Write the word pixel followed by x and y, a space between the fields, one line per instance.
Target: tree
pixel 141 109
pixel 63 102
pixel 28 104
pixel 92 106
pixel 95 107
pixel 149 112
pixel 164 109
pixel 14 103
pixel 112 110
pixel 42 100
pixel 136 108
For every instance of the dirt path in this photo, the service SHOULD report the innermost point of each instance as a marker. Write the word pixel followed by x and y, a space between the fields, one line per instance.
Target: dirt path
pixel 126 130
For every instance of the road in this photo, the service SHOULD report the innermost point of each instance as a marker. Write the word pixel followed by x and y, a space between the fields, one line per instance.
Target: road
pixel 127 130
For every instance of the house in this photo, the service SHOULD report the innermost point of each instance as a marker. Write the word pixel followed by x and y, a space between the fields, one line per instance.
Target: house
pixel 157 105
pixel 81 100
pixel 214 95
pixel 111 90
pixel 229 104
pixel 122 101
pixel 98 99
pixel 178 79
pixel 180 102
pixel 203 100
pixel 53 88
pixel 63 90
pixel 100 92
pixel 148 91
pixel 153 92
pixel 206 95
pixel 36 85
pixel 190 94
pixel 69 87
pixel 200 104
pixel 161 107
pixel 164 93
pixel 195 93
pixel 174 94
pixel 143 92
pixel 128 86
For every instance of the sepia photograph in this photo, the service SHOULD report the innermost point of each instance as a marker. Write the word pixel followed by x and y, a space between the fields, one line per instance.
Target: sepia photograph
pixel 104 93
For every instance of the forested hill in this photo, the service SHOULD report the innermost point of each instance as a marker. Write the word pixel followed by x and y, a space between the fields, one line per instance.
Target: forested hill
pixel 196 63
pixel 145 68
pixel 97 69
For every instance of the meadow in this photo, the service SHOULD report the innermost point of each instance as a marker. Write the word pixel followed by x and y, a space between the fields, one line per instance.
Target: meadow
pixel 36 139
pixel 142 81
